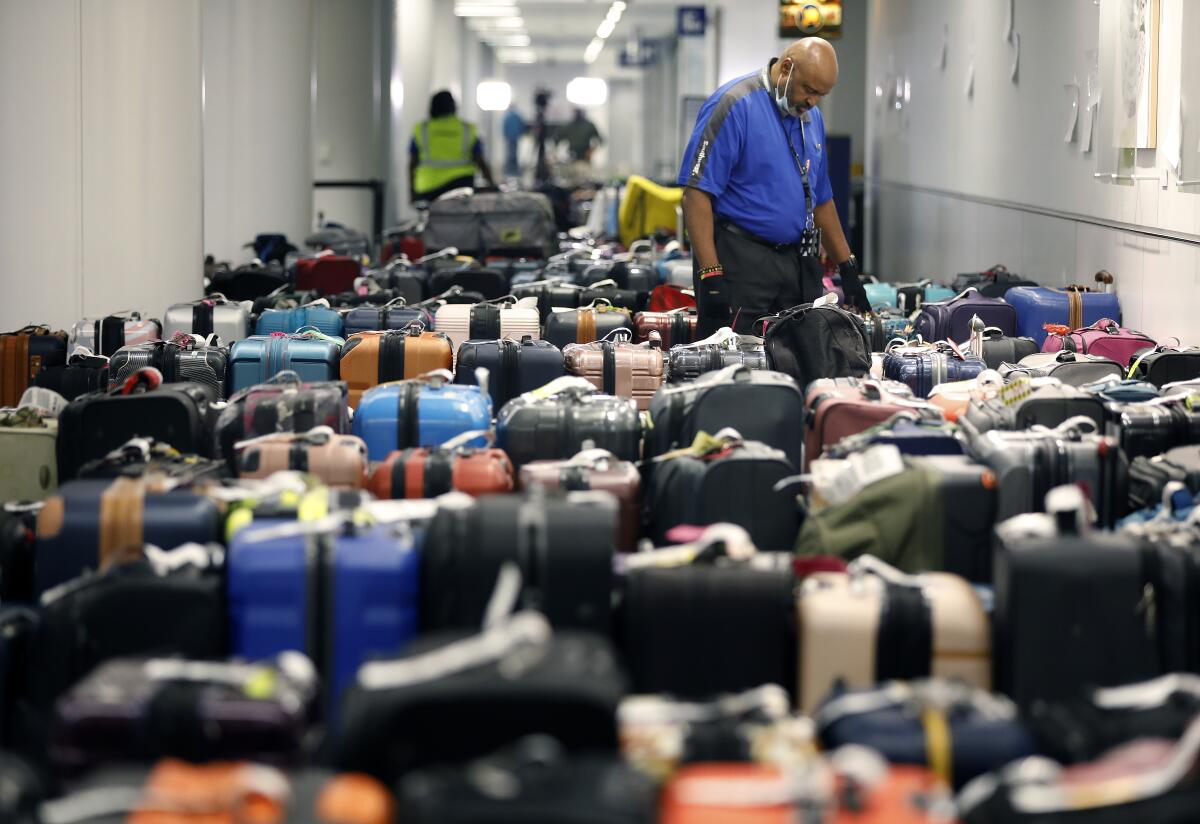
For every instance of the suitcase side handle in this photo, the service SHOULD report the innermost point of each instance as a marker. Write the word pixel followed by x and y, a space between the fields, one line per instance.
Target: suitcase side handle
pixel 464 438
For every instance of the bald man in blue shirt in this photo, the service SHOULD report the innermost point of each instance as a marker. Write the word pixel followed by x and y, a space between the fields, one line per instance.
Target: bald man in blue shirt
pixel 757 201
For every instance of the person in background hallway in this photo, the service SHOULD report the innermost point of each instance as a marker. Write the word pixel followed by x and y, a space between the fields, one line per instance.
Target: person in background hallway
pixel 757 201
pixel 581 136
pixel 445 152
pixel 514 128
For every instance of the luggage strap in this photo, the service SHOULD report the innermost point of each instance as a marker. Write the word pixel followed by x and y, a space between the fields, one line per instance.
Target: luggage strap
pixel 585 327
pixel 1074 309
pixel 14 367
pixel 939 751
pixel 904 646
pixel 122 507
pixel 438 476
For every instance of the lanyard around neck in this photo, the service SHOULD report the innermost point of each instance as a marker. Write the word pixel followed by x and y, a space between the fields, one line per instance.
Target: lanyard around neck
pixel 802 167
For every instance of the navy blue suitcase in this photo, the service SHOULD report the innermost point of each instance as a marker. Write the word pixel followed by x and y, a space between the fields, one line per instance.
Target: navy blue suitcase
pixel 922 371
pixel 392 315
pixel 912 436
pixel 424 411
pixel 341 596
pixel 76 532
pixel 513 368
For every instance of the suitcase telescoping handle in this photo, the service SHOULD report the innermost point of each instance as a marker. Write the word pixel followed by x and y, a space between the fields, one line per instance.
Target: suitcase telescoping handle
pixel 465 438
pixel 720 540
pixel 316 436
pixel 869 565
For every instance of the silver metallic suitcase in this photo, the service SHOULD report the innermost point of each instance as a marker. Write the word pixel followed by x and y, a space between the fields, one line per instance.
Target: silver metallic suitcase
pixel 229 320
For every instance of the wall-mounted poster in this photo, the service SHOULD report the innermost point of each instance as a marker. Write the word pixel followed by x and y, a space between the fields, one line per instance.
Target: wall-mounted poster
pixel 1135 118
pixel 821 19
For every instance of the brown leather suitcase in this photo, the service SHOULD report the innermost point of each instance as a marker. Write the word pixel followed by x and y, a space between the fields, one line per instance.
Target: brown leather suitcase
pixel 340 461
pixel 838 407
pixel 428 472
pixel 595 469
pixel 372 358
pixel 23 354
pixel 619 367
pixel 674 327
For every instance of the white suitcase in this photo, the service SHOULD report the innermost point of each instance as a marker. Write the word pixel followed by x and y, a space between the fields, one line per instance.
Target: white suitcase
pixel 104 336
pixel 28 467
pixel 229 320
pixel 839 620
pixel 495 320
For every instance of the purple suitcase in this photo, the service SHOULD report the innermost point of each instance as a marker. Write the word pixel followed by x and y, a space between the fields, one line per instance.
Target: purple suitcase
pixel 922 371
pixel 952 318
pixel 1037 306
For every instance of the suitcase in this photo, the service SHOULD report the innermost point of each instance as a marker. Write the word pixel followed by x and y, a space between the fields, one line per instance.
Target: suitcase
pixel 1152 428
pixel 763 406
pixel 104 336
pixel 424 411
pixel 583 789
pixel 428 472
pixel 884 327
pixel 899 721
pixel 618 367
pixel 289 321
pixel 1038 306
pixel 687 362
pixel 81 374
pixel 994 283
pixel 815 341
pixel 248 282
pixel 595 469
pixel 88 524
pixel 496 223
pixel 607 292
pixel 724 479
pixel 951 319
pixel 491 283
pixel 138 710
pixel 937 514
pixel 373 358
pixel 312 356
pixel 1100 595
pixel 184 361
pixel 1021 406
pixel 135 608
pixel 922 367
pixel 142 456
pixel 213 315
pixel 629 275
pixel 339 461
pixel 874 624
pixel 91 426
pixel 1028 464
pixel 677 327
pixel 271 246
pixel 669 296
pixel 407 281
pixel 23 355
pixel 1105 338
pixel 586 325
pixel 880 294
pixel 910 296
pixel 836 408
pixel 395 314
pixel 555 422
pixel 1163 365
pixel 703 630
pixel 283 404
pixel 550 293
pixel 909 433
pixel 999 348
pixel 422 709
pixel 341 595
pixel 340 240
pixel 28 466
pixel 327 274
pixel 487 321
pixel 562 545
pixel 514 367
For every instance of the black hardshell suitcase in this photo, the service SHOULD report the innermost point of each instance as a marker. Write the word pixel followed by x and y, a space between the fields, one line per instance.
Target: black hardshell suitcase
pixel 555 426
pixel 551 293
pixel 1149 429
pixel 514 368
pixel 709 629
pixel 491 283
pixel 81 375
pixel 91 426
pixel 999 348
pixel 761 405
pixel 1045 406
pixel 1163 366
pixel 562 544
pixel 736 485
pixel 562 328
pixel 689 361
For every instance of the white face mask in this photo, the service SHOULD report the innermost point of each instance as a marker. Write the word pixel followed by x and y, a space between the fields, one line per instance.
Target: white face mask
pixel 781 97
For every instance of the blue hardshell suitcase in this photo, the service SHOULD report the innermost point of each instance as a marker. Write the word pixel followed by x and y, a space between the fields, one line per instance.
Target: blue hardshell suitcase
pixel 425 411
pixel 389 316
pixel 69 528
pixel 341 597
pixel 881 294
pixel 922 371
pixel 259 358
pixel 325 320
pixel 1038 305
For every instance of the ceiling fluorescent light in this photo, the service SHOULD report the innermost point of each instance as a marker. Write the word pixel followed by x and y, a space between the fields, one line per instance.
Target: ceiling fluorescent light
pixel 493 95
pixel 477 9
pixel 508 23
pixel 605 29
pixel 516 55
pixel 518 41
pixel 587 91
pixel 619 5
pixel 593 50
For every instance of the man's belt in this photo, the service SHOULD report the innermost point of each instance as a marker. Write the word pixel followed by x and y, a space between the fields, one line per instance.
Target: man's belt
pixel 734 229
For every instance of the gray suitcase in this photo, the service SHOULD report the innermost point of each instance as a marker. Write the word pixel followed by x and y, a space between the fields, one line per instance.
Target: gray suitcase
pixel 1072 368
pixel 1045 406
pixel 215 314
pixel 505 223
pixel 178 364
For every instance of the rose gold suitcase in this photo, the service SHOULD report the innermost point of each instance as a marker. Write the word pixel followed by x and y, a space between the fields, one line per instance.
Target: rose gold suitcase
pixel 618 367
pixel 340 461
pixel 873 623
pixel 595 469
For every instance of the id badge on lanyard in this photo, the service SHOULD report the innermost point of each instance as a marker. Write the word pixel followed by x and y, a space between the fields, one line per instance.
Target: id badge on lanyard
pixel 810 238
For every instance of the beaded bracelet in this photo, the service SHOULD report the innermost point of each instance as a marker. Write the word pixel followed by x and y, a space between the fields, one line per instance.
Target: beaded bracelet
pixel 709 271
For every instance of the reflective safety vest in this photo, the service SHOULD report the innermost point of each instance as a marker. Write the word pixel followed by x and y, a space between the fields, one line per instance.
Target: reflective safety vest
pixel 444 152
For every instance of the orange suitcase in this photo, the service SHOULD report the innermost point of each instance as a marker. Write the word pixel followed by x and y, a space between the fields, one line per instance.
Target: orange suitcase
pixel 372 358
pixel 429 472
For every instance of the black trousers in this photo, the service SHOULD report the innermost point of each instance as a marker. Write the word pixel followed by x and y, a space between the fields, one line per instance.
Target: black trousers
pixel 761 281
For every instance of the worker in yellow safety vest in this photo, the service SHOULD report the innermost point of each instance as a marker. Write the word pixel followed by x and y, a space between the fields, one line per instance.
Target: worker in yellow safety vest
pixel 445 152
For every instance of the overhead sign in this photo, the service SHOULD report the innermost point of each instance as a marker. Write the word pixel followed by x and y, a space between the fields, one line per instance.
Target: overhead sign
pixel 819 19
pixel 690 21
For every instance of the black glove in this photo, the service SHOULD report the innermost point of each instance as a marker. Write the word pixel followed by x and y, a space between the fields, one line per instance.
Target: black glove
pixel 852 286
pixel 715 289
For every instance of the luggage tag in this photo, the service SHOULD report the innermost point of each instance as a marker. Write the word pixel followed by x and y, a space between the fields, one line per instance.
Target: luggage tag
pixel 842 479
pixel 44 400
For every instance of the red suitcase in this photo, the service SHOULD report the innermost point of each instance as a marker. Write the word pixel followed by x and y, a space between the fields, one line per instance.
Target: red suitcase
pixel 429 472
pixel 327 274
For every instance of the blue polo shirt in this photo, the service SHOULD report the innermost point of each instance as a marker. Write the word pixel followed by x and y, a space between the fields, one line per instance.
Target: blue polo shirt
pixel 738 154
